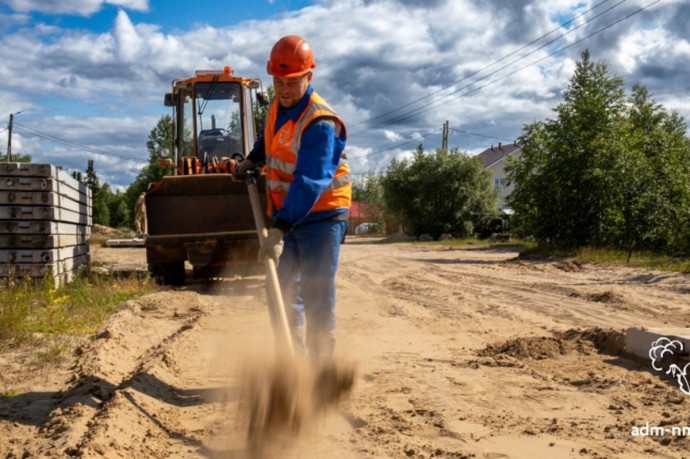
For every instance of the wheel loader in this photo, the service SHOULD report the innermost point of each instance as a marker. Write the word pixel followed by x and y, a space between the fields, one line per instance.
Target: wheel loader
pixel 199 215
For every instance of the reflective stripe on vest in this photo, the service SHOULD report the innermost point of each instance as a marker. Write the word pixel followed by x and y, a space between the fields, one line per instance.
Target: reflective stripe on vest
pixel 282 150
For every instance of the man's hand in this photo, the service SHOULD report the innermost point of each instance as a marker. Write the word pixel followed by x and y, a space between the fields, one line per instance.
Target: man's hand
pixel 245 165
pixel 239 174
pixel 272 245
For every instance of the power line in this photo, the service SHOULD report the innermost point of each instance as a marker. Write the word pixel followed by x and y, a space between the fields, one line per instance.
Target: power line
pixel 440 102
pixel 493 63
pixel 462 131
pixel 75 145
pixel 427 135
pixel 526 66
pixel 396 146
pixel 423 108
pixel 560 50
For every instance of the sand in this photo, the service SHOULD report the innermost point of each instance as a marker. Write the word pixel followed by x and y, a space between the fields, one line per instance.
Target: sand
pixel 460 353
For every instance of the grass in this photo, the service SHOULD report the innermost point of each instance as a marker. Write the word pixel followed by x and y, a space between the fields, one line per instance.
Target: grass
pixel 613 257
pixel 650 260
pixel 34 313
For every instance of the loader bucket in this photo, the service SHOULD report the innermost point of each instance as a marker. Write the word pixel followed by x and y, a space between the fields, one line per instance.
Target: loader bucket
pixel 205 220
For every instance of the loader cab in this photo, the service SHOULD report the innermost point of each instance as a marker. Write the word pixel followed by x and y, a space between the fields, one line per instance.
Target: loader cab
pixel 214 121
pixel 200 215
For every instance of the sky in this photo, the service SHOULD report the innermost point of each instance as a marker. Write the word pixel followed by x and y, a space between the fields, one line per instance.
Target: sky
pixel 87 77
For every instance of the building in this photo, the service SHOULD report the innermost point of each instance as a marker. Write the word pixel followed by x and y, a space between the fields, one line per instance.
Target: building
pixel 358 215
pixel 495 160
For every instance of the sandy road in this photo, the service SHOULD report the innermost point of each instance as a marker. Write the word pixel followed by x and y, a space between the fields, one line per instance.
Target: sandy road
pixel 461 353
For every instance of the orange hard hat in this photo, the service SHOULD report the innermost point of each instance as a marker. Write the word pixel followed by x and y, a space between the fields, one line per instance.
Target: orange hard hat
pixel 291 56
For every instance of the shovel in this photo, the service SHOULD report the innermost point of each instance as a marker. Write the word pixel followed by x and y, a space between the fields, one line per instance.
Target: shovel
pixel 283 396
pixel 273 293
pixel 273 393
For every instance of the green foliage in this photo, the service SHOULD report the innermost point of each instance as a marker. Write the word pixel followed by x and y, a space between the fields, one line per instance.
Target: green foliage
pixel 369 190
pixel 440 192
pixel 16 158
pixel 261 111
pixel 108 208
pixel 651 190
pixel 358 189
pixel 120 213
pixel 641 259
pixel 607 171
pixel 160 137
pixel 30 306
pixel 99 196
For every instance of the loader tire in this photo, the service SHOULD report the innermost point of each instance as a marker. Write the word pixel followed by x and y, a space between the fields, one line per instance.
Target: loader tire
pixel 171 273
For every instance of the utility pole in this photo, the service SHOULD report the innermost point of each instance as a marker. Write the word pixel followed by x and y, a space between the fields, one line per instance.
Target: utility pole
pixel 444 142
pixel 9 136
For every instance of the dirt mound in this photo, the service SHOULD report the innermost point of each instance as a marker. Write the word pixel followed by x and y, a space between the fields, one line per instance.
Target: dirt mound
pixel 105 231
pixel 570 266
pixel 606 341
pixel 607 297
pixel 533 347
pixel 101 233
pixel 561 343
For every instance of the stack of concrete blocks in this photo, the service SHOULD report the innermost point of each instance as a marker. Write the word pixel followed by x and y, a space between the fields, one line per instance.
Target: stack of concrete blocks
pixel 45 223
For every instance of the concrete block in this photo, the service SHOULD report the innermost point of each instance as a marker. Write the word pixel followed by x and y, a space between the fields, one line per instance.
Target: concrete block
pixel 638 341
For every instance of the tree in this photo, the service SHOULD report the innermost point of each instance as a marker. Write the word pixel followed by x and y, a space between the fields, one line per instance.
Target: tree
pixel 99 196
pixel 653 190
pixel 160 137
pixel 120 214
pixel 440 192
pixel 369 190
pixel 563 180
pixel 16 158
pixel 607 171
pixel 261 111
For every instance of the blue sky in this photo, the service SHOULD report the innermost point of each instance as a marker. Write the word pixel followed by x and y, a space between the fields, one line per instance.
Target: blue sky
pixel 89 75
pixel 172 15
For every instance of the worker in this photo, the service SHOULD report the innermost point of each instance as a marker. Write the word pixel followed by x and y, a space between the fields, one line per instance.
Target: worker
pixel 140 215
pixel 309 193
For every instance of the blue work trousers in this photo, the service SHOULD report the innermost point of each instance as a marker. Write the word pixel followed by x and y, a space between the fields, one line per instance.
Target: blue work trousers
pixel 306 272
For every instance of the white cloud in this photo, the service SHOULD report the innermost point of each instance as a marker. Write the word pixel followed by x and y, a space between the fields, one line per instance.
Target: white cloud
pixel 78 7
pixel 392 136
pixel 13 20
pixel 127 39
pixel 117 146
pixel 136 5
pixel 394 70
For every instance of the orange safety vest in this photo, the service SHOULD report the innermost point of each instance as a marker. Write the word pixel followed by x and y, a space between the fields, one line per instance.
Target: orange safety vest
pixel 282 150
